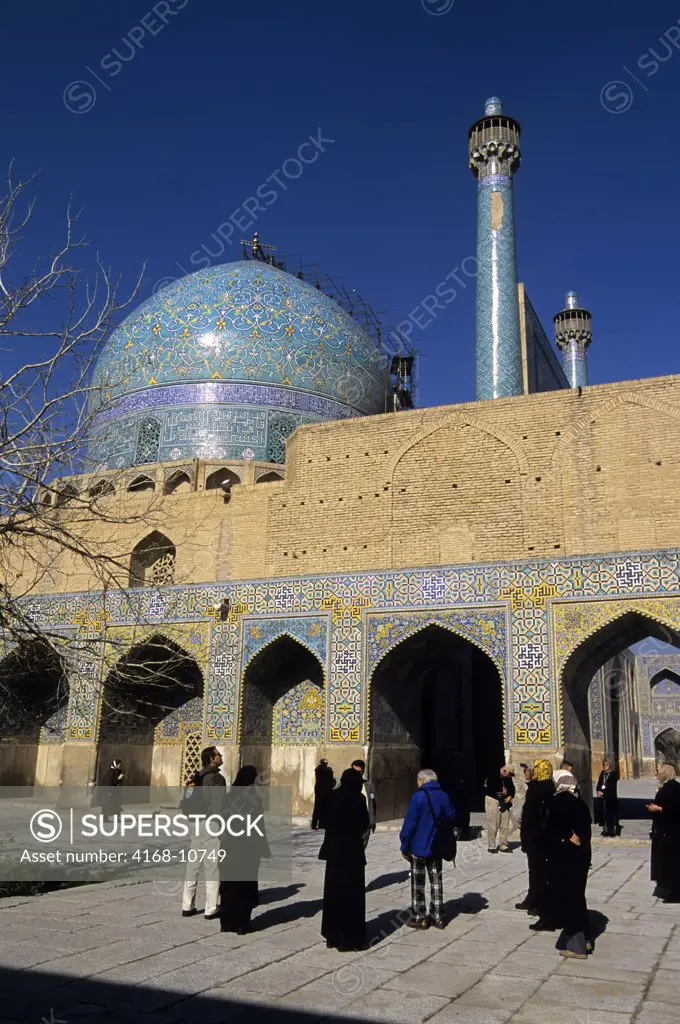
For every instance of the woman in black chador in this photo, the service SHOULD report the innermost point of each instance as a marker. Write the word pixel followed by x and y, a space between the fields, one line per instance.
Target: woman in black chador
pixel 343 924
pixel 323 786
pixel 239 893
pixel 540 790
pixel 666 834
pixel 569 856
pixel 111 796
pixel 607 800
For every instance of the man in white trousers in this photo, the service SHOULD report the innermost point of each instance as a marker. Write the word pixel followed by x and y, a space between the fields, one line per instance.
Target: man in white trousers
pixel 205 847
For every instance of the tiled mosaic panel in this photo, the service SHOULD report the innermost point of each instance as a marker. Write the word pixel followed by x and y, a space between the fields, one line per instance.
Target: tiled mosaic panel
pixel 574 623
pixel 177 433
pixel 484 627
pixel 312 633
pixel 537 640
pixel 596 709
pixel 178 722
pixel 243 321
pixel 87 673
pixel 299 716
pixel 575 362
pixel 498 352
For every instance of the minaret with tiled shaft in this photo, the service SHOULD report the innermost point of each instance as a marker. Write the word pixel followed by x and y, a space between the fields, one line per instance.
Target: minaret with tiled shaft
pixel 494 157
pixel 573 335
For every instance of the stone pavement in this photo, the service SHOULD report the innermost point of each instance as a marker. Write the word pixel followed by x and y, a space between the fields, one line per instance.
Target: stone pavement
pixel 121 952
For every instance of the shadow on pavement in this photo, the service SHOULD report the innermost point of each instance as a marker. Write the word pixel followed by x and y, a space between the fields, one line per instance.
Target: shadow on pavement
pixel 284 892
pixel 31 995
pixel 469 903
pixel 387 923
pixel 284 915
pixel 382 881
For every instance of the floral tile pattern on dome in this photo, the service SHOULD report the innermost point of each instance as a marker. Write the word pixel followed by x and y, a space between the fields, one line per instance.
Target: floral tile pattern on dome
pixel 245 322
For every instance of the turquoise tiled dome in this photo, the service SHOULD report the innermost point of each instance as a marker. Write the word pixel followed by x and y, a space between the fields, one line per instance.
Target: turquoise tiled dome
pixel 209 366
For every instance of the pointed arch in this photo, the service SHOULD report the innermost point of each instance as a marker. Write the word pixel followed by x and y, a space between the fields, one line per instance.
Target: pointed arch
pixel 282 704
pixel 141 483
pixel 571 433
pixel 464 420
pixel 435 701
pixel 34 693
pixel 458 528
pixel 222 479
pixel 434 620
pixel 101 488
pixel 152 562
pixel 152 694
pixel 177 480
pixel 252 650
pixel 599 652
pixel 662 675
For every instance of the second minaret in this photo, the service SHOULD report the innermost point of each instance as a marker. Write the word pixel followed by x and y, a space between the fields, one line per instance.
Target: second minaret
pixel 494 157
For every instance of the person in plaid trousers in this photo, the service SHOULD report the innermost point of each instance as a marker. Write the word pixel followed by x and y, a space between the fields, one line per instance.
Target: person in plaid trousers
pixel 428 803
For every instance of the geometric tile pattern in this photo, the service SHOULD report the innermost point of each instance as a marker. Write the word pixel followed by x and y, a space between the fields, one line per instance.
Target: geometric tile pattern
pixel 299 716
pixel 549 607
pixel 498 353
pixel 224 327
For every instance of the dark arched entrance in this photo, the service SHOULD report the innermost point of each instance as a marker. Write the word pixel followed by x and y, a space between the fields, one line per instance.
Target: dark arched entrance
pixel 436 702
pixel 150 682
pixel 601 654
pixel 33 698
pixel 667 746
pixel 282 716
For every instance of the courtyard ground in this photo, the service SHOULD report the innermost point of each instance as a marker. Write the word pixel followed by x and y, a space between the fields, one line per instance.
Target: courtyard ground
pixel 122 952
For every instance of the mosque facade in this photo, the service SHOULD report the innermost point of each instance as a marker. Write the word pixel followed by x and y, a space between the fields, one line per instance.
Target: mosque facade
pixel 312 573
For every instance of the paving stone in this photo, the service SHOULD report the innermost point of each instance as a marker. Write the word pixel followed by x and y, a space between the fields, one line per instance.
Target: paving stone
pixel 437 979
pixel 656 1013
pixel 456 1014
pixel 591 994
pixel 465 951
pixel 128 947
pixel 337 989
pixel 602 970
pixel 275 979
pixel 500 992
pixel 398 1007
pixel 665 988
pixel 531 965
pixel 540 1013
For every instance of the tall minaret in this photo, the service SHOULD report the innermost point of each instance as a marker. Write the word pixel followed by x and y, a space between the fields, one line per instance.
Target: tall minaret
pixel 494 157
pixel 573 336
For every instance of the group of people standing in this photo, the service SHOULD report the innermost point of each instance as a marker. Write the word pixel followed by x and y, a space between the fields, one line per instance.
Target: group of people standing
pixel 555 831
pixel 556 837
pixel 348 817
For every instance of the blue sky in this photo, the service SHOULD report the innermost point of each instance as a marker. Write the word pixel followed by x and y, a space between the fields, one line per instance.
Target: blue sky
pixel 160 149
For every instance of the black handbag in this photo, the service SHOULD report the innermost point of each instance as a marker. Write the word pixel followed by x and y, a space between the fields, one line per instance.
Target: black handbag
pixel 444 844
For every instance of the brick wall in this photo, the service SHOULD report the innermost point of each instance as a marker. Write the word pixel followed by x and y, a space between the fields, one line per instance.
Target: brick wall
pixel 555 473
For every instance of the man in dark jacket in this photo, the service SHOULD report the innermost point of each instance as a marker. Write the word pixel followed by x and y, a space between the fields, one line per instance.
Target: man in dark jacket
pixel 369 794
pixel 324 784
pixel 428 805
pixel 207 778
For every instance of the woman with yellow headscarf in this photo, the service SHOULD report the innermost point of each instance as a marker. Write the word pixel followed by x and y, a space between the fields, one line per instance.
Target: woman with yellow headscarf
pixel 540 790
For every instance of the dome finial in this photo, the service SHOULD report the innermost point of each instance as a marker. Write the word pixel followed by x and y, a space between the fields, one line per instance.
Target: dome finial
pixel 493 106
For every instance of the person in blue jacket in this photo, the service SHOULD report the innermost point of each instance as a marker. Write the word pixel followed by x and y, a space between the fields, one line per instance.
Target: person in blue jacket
pixel 428 803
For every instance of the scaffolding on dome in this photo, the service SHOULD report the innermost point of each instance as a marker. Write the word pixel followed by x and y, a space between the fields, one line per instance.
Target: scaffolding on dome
pixel 398 350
